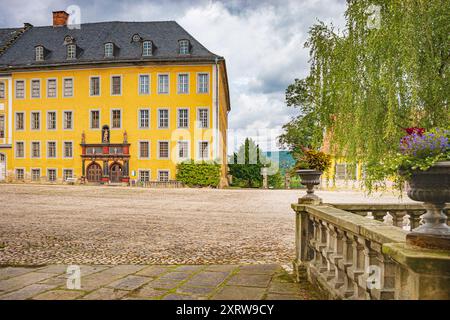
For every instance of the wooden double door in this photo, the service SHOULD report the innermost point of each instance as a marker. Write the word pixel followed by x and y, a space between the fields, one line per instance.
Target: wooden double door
pixel 115 173
pixel 94 173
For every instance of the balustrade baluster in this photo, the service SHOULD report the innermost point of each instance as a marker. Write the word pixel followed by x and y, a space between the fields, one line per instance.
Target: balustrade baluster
pixel 397 217
pixel 379 215
pixel 414 218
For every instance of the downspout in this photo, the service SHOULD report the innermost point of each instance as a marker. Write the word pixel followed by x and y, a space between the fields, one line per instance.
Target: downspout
pixel 216 107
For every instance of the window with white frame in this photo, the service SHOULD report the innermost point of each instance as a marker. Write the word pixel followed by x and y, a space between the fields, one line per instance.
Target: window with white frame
pixel 20 89
pixel 147 48
pixel 51 120
pixel 20 121
pixel 144 149
pixel 2 90
pixel 95 119
pixel 20 149
pixel 183 118
pixel 71 51
pixel 51 175
pixel 35 120
pixel 184 46
pixel 163 83
pixel 67 174
pixel 163 149
pixel 20 174
pixel 39 53
pixel 68 120
pixel 35 88
pixel 35 149
pixel 51 88
pixel 163 175
pixel 51 149
pixel 116 85
pixel 203 118
pixel 144 84
pixel 116 119
pixel 68 149
pixel 163 118
pixel 144 118
pixel 183 83
pixel 35 174
pixel 2 126
pixel 68 87
pixel 94 88
pixel 109 49
pixel 203 83
pixel 183 149
pixel 203 150
pixel 144 175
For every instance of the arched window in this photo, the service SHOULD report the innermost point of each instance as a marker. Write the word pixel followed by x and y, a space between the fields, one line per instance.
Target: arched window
pixel 147 48
pixel 39 53
pixel 184 46
pixel 71 51
pixel 109 49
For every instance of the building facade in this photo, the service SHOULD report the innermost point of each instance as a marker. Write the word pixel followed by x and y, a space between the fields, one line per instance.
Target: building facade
pixel 108 102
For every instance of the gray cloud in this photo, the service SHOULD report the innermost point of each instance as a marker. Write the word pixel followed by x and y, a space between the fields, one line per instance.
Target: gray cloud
pixel 262 42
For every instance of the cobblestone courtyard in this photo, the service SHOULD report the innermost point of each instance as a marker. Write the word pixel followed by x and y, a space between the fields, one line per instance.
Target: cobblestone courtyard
pixel 114 225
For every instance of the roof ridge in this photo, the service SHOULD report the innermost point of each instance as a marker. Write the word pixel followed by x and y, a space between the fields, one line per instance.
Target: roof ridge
pixel 13 39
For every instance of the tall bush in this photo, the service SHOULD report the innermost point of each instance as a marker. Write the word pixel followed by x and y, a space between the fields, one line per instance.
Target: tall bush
pixel 199 174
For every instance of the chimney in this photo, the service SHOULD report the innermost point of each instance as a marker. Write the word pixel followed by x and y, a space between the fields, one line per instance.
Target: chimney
pixel 60 18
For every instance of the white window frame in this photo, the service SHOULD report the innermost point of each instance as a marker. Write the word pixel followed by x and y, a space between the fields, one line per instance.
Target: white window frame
pixel 2 90
pixel 168 118
pixel 64 171
pixel 108 50
pixel 56 88
pixel 199 122
pixel 99 119
pixel 24 120
pixel 64 87
pixel 31 149
pixel 39 54
pixel 32 120
pixel 145 50
pixel 15 173
pixel 159 172
pixel 168 150
pixel 31 174
pixel 199 150
pixel 178 118
pixel 179 83
pixel 56 149
pixel 24 88
pixel 47 120
pixel 64 120
pixel 180 46
pixel 31 88
pixel 139 118
pixel 139 150
pixel 64 149
pixel 159 84
pixel 56 174
pixel 112 84
pixel 99 86
pixel 2 126
pixel 188 150
pixel 198 82
pixel 71 54
pixel 139 84
pixel 145 170
pixel 111 127
pixel 24 149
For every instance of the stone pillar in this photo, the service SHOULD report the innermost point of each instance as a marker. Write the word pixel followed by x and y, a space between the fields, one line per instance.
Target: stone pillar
pixel 105 178
pixel 265 181
pixel 125 171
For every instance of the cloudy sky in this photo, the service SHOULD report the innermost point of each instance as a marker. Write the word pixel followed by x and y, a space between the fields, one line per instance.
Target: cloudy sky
pixel 261 40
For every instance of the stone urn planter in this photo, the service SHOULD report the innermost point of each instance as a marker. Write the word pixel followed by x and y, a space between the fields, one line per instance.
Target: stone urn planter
pixel 309 178
pixel 433 188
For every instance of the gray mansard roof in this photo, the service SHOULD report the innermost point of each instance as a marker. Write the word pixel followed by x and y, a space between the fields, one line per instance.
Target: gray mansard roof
pixel 90 40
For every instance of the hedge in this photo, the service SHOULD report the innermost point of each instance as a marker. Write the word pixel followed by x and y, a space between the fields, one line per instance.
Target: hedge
pixel 199 174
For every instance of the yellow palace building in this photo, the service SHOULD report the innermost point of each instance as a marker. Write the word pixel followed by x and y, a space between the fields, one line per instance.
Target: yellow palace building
pixel 108 102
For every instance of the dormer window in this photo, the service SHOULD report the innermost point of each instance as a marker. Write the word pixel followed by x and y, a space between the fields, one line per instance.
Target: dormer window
pixel 109 49
pixel 147 48
pixel 184 46
pixel 71 51
pixel 39 53
pixel 136 38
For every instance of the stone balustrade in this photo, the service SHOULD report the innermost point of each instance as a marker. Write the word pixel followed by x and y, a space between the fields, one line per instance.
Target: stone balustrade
pixel 350 256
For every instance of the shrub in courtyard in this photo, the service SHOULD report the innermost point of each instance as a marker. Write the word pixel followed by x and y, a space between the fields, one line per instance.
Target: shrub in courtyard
pixel 199 174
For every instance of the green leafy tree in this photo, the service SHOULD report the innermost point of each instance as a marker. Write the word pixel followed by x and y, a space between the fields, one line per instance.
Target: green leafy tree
pixel 246 164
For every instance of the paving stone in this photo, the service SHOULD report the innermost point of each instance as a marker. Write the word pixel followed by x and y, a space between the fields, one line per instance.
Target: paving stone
pixel 153 271
pixel 59 295
pixel 23 280
pixel 9 272
pixel 198 291
pixel 97 280
pixel 56 268
pixel 239 293
pixel 164 284
pixel 58 281
pixel 276 296
pixel 148 292
pixel 189 268
pixel 176 276
pixel 284 288
pixel 221 268
pixel 105 294
pixel 129 283
pixel 178 297
pixel 260 268
pixel 87 270
pixel 250 280
pixel 124 269
pixel 207 279
pixel 27 292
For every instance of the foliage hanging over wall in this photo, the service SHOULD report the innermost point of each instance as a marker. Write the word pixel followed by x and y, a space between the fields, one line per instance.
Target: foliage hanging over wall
pixel 199 174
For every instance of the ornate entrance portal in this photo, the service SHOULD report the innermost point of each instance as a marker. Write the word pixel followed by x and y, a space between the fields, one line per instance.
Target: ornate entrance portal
pixel 105 162
pixel 115 173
